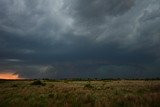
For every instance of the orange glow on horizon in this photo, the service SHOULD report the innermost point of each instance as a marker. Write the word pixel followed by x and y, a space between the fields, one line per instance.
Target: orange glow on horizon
pixel 9 76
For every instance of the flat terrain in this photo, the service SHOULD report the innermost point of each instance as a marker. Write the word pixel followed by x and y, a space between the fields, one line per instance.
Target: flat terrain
pixel 107 93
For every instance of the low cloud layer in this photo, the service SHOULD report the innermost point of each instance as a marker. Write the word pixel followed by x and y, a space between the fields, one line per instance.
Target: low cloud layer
pixel 80 38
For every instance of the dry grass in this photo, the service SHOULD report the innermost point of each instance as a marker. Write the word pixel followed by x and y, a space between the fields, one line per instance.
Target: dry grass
pixel 124 93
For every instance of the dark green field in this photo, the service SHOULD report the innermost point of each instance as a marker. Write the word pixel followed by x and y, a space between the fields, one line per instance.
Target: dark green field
pixel 65 93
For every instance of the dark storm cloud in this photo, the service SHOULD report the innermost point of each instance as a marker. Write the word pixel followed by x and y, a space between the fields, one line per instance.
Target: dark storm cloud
pixel 65 38
pixel 97 10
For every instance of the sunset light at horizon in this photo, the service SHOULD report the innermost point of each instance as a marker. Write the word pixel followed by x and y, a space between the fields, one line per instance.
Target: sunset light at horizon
pixel 9 76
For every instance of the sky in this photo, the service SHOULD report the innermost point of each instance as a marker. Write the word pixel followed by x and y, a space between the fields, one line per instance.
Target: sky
pixel 80 38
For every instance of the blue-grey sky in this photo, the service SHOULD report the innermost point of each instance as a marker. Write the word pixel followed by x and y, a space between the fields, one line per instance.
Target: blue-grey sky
pixel 80 38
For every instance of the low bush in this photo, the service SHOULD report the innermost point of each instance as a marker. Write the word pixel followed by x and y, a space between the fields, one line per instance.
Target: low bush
pixel 38 82
pixel 88 86
pixel 14 85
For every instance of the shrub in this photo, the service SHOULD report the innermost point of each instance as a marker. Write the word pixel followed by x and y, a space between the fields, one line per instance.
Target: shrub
pixel 88 86
pixel 14 85
pixel 38 82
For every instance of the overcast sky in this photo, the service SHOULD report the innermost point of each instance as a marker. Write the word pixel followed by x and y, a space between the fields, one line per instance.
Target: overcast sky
pixel 80 38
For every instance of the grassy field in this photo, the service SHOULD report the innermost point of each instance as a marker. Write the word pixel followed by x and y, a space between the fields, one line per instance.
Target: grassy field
pixel 107 93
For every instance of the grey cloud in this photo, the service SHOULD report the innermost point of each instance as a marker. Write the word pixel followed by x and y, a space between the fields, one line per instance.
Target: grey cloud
pixel 90 70
pixel 90 9
pixel 40 18
pixel 92 17
pixel 42 32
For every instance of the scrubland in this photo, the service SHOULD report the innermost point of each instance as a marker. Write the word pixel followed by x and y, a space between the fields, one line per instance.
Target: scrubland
pixel 67 93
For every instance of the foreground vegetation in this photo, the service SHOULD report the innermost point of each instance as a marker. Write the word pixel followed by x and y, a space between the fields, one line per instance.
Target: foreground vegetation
pixel 65 93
